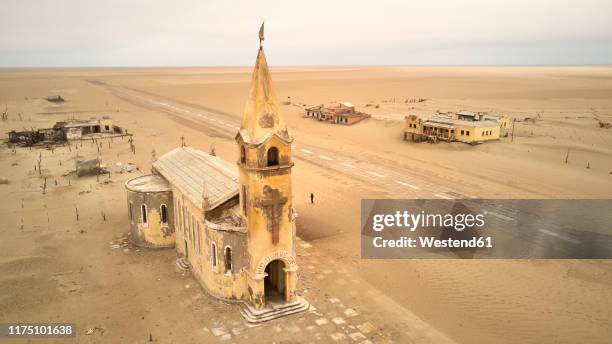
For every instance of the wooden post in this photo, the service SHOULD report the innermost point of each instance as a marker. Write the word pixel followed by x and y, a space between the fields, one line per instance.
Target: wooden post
pixel 513 121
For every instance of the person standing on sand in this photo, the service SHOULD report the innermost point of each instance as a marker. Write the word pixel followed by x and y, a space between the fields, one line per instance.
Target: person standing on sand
pixel 311 198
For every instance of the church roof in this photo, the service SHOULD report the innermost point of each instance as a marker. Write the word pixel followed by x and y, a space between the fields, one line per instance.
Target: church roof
pixel 190 170
pixel 262 117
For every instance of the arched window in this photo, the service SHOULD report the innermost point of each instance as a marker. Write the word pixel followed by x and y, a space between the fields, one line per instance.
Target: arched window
pixel 228 259
pixel 164 213
pixel 131 211
pixel 213 256
pixel 143 210
pixel 273 156
pixel 242 155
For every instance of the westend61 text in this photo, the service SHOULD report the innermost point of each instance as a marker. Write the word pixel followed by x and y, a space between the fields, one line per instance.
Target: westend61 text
pixel 432 242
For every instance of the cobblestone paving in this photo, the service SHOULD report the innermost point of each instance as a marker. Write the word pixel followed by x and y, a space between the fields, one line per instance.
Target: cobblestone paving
pixel 334 317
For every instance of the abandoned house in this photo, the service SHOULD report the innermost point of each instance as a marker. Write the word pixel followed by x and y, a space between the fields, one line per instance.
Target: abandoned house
pixel 26 138
pixel 67 130
pixel 232 226
pixel 337 113
pixel 463 126
pixel 77 129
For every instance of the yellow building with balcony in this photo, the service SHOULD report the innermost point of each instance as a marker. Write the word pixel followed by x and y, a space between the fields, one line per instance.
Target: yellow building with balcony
pixel 462 126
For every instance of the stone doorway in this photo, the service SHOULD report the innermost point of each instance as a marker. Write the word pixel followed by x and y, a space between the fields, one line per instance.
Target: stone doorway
pixel 274 282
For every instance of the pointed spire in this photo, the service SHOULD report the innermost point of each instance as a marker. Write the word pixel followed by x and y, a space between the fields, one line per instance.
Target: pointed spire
pixel 262 112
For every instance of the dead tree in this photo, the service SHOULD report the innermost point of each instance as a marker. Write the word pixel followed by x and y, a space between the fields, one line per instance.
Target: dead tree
pixel 132 147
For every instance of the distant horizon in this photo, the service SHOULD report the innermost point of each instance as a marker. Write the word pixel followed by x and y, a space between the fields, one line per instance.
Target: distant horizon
pixel 310 66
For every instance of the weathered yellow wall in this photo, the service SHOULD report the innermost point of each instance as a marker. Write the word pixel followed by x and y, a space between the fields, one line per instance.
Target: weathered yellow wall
pixel 477 133
pixel 153 233
pixel 260 245
pixel 216 281
pixel 504 122
pixel 106 122
pixel 408 129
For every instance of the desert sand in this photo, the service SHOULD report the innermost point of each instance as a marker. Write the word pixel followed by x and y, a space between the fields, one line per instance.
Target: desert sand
pixel 57 268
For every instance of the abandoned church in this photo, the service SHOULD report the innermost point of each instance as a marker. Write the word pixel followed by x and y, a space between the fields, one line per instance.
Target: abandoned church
pixel 232 226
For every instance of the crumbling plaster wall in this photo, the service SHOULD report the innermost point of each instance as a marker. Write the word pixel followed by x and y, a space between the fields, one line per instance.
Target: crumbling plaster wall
pixel 154 233
pixel 217 281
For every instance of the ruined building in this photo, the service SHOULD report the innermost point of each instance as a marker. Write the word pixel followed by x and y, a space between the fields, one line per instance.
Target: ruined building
pixel 463 126
pixel 73 129
pixel 232 224
pixel 337 113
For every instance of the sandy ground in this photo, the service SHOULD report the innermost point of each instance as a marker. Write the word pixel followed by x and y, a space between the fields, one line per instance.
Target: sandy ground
pixel 55 268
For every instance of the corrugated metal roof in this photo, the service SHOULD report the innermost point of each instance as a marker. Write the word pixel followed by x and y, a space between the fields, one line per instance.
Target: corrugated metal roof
pixel 189 170
pixel 451 121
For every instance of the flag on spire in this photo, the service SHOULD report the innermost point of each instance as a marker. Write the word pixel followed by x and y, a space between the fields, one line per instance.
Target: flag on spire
pixel 261 33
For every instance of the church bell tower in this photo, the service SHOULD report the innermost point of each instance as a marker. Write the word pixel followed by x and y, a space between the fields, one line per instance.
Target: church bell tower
pixel 264 149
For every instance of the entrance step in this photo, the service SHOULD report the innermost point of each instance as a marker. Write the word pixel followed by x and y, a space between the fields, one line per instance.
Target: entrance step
pixel 183 264
pixel 273 311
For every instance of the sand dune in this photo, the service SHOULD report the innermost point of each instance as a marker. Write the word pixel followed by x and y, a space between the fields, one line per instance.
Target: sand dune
pixel 53 269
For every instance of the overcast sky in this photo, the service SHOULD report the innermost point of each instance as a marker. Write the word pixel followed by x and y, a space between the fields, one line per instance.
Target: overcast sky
pixel 312 32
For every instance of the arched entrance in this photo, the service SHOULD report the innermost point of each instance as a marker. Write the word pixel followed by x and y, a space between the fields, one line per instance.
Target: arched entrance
pixel 274 282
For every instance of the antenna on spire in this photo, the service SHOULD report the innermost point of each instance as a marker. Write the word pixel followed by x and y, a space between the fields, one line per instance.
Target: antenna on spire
pixel 261 33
